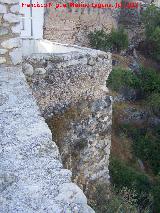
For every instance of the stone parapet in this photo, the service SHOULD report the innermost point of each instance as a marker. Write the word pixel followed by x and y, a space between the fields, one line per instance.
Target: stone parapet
pixel 33 179
pixel 65 74
pixel 70 89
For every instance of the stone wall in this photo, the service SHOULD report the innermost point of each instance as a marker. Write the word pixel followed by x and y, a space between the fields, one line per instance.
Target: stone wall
pixel 73 26
pixel 70 89
pixel 9 33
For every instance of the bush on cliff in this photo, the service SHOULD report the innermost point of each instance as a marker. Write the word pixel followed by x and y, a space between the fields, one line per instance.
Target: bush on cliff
pixel 126 176
pixel 153 103
pixel 110 200
pixel 123 175
pixel 147 81
pixel 99 40
pixel 121 78
pixel 156 195
pixel 146 145
pixel 117 40
pixel 151 20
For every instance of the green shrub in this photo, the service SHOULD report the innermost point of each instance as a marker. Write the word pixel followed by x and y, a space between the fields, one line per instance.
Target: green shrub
pixel 125 176
pixel 110 200
pixel 147 148
pixel 155 43
pixel 146 145
pixel 151 20
pixel 116 40
pixel 156 196
pixel 121 78
pixel 119 39
pixel 153 103
pixel 149 81
pixel 99 40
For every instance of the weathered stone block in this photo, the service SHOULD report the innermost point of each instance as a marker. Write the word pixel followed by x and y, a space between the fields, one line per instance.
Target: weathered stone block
pixel 11 43
pixel 3 51
pixel 3 9
pixel 91 61
pixel 28 69
pixel 15 8
pixel 40 71
pixel 11 18
pixel 16 28
pixel 3 31
pixel 2 60
pixel 16 56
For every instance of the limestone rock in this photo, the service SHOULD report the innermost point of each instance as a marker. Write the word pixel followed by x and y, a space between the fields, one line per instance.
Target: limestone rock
pixel 2 60
pixel 16 56
pixel 91 62
pixel 71 192
pixel 11 18
pixel 11 43
pixel 3 9
pixel 40 71
pixel 3 30
pixel 3 51
pixel 28 69
pixel 3 99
